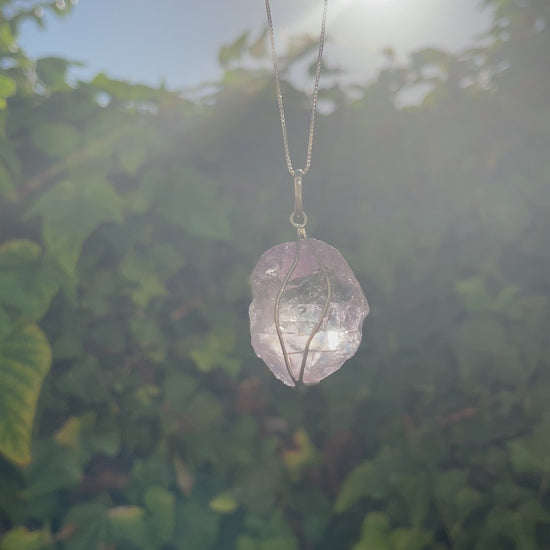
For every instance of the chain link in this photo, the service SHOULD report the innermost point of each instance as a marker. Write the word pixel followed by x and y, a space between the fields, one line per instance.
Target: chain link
pixel 307 166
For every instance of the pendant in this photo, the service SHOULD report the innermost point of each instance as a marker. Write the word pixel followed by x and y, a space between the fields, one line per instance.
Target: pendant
pixel 308 308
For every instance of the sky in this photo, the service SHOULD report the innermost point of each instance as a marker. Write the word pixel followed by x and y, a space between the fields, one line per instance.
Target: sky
pixel 177 41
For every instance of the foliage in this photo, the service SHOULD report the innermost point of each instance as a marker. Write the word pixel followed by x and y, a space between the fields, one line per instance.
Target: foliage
pixel 129 220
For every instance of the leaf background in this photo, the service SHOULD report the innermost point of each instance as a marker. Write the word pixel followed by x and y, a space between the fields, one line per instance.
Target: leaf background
pixel 128 227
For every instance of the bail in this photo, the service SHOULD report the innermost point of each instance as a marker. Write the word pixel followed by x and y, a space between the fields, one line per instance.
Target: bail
pixel 298 218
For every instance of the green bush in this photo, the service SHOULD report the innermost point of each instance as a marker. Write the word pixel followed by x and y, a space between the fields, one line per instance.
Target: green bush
pixel 130 218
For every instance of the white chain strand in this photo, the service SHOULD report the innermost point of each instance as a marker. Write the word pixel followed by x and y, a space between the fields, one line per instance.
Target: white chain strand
pixel 307 166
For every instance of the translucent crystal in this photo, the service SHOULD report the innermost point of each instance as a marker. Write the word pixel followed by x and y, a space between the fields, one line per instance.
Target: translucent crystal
pixel 301 307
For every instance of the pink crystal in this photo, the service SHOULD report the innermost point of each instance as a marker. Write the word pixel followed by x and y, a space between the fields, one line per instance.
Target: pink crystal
pixel 301 306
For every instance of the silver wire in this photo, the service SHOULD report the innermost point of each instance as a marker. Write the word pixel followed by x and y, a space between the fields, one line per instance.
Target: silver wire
pixel 301 235
pixel 323 312
pixel 307 166
pixel 278 305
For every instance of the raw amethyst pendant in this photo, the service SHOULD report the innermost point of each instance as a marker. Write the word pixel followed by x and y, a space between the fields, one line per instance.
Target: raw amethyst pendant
pixel 307 311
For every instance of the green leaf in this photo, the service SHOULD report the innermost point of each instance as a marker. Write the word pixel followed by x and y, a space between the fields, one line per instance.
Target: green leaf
pixel 21 538
pixel 279 543
pixel 8 87
pixel 455 499
pixel 197 527
pixel 124 90
pixel 52 71
pixel 477 298
pixel 233 51
pixel 88 525
pixel 374 533
pixel 215 350
pixel 7 40
pixel 53 467
pixel 71 212
pixel 531 454
pixel 258 49
pixel 246 543
pixel 5 324
pixel 55 140
pixel 519 525
pixel 188 199
pixel 18 252
pixel 361 481
pixel 404 538
pixel 369 479
pixel 224 503
pixel 204 409
pixel 415 490
pixel 127 524
pixel 25 359
pixel 6 181
pixel 26 284
pixel 146 285
pixel 161 506
pixel 485 353
pixel 178 389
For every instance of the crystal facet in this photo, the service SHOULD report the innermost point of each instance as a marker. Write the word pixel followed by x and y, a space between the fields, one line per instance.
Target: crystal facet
pixel 300 308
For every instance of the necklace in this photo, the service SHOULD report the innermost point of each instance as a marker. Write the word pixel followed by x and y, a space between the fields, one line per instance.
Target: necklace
pixel 308 308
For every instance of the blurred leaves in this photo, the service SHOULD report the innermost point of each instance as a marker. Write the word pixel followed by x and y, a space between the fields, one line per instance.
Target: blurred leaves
pixel 130 218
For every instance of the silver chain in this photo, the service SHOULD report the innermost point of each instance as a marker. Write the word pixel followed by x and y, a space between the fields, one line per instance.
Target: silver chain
pixel 307 166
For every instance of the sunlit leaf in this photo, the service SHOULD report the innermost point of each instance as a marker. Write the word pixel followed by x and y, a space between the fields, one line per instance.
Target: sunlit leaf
pixel 224 503
pixel 25 359
pixel 69 433
pixel 8 87
pixel 301 454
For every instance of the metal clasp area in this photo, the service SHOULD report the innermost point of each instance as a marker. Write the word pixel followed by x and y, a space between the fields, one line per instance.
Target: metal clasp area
pixel 298 218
